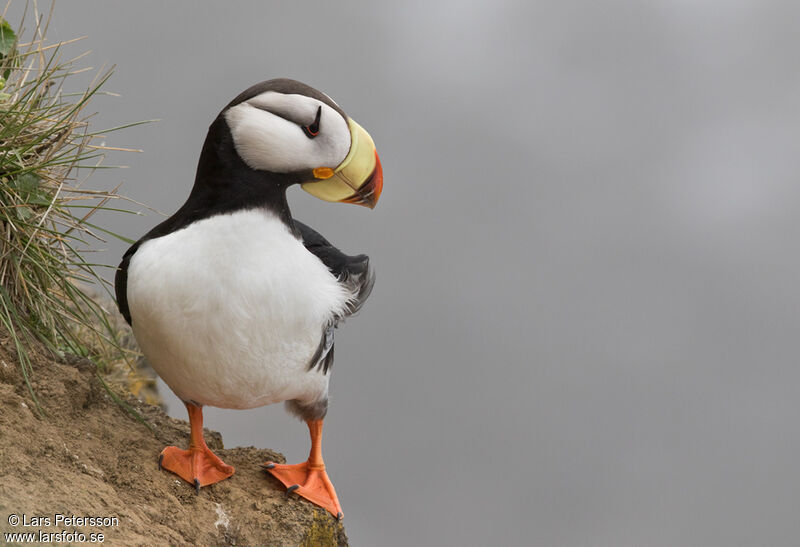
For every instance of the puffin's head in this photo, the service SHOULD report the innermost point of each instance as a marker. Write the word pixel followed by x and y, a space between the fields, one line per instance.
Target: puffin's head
pixel 286 127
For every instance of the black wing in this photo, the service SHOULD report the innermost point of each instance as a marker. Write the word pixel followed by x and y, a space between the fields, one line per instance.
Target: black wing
pixel 352 271
pixel 121 283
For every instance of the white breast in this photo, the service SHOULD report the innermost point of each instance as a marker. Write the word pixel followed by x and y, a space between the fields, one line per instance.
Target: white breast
pixel 230 310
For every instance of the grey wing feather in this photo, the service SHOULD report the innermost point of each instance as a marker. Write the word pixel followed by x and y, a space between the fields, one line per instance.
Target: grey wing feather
pixel 354 272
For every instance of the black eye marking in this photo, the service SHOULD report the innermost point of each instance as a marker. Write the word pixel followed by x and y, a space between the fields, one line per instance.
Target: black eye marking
pixel 312 130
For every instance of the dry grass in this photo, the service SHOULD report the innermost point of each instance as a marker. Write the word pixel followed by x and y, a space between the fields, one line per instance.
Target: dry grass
pixel 46 140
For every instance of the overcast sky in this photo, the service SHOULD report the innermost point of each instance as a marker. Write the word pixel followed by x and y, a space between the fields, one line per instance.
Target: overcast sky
pixel 584 330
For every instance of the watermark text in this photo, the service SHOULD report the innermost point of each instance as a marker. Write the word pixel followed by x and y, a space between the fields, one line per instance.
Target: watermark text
pixel 23 522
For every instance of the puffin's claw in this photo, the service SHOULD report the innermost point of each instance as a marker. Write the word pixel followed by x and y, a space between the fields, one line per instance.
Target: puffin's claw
pixel 197 466
pixel 269 465
pixel 312 484
pixel 339 516
pixel 309 479
pixel 160 459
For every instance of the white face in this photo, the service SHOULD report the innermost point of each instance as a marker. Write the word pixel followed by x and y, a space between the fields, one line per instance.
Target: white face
pixel 268 133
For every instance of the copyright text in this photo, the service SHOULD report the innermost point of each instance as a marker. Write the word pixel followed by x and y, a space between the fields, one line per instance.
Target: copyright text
pixel 57 520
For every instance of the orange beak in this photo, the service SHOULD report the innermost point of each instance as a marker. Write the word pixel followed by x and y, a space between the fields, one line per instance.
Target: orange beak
pixel 371 190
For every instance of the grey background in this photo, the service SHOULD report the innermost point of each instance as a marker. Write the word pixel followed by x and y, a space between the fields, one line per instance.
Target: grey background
pixel 585 329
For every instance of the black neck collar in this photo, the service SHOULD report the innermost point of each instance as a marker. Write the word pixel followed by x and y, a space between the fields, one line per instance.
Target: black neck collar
pixel 224 184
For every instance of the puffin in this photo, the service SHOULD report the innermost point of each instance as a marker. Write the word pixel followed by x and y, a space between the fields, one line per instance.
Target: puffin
pixel 232 300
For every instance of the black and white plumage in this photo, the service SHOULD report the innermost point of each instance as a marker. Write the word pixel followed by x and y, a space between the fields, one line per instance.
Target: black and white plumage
pixel 352 272
pixel 232 300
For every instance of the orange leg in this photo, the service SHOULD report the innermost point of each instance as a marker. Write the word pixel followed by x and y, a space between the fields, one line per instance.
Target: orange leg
pixel 309 478
pixel 198 465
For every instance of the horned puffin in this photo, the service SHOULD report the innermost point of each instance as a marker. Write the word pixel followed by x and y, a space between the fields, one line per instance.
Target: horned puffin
pixel 233 301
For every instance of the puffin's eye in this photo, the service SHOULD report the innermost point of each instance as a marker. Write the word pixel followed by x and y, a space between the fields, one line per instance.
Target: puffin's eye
pixel 312 130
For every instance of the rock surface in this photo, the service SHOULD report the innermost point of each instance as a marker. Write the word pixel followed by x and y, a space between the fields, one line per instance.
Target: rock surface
pixel 89 457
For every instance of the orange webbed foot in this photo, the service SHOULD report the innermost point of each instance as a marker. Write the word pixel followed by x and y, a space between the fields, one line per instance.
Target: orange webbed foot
pixel 310 482
pixel 198 466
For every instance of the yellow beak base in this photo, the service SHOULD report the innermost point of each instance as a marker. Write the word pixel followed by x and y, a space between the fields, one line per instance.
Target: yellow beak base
pixel 348 181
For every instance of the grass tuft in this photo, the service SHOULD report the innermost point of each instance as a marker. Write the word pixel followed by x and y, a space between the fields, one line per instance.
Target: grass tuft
pixel 46 283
